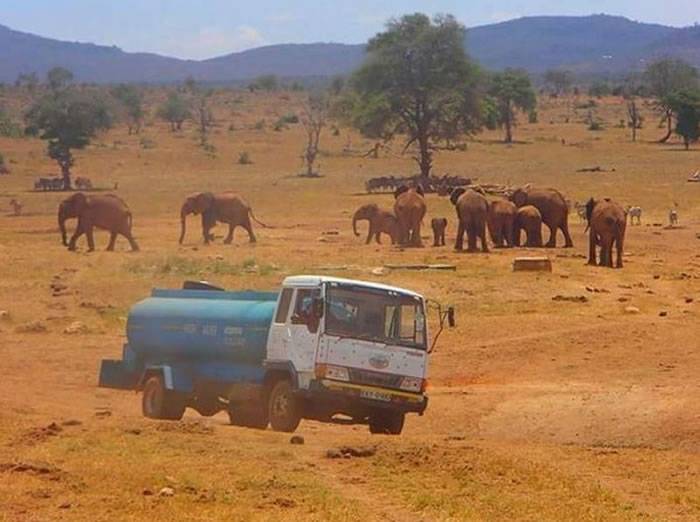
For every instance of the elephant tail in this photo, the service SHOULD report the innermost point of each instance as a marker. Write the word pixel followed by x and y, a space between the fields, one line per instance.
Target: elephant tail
pixel 129 219
pixel 250 211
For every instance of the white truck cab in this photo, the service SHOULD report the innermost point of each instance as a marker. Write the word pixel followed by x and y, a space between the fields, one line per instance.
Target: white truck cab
pixel 356 348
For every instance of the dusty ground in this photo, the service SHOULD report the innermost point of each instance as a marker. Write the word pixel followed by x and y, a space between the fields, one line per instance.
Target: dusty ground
pixel 540 409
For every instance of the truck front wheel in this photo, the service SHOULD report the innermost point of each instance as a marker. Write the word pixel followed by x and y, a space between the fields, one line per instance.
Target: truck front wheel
pixel 159 403
pixel 255 416
pixel 284 408
pixel 386 422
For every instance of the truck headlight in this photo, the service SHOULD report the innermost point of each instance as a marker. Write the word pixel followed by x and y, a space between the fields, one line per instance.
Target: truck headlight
pixel 337 373
pixel 412 384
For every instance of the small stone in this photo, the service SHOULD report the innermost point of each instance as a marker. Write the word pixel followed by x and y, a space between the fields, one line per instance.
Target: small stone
pixel 631 310
pixel 65 505
pixel 334 453
pixel 296 439
pixel 623 299
pixel 76 327
pixel 147 492
pixel 657 276
pixel 689 300
pixel 663 313
pixel 166 492
pixel 379 271
pixel 4 315
pixel 71 422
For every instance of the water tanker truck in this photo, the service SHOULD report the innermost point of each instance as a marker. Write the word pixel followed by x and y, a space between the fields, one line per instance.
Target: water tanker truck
pixel 321 348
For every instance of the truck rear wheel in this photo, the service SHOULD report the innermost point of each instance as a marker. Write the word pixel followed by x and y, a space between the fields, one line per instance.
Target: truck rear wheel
pixel 159 403
pixel 386 422
pixel 283 406
pixel 249 417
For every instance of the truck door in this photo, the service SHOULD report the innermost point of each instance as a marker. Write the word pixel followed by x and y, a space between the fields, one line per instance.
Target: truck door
pixel 303 330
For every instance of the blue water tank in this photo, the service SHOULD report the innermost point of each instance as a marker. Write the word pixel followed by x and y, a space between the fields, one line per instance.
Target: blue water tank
pixel 193 326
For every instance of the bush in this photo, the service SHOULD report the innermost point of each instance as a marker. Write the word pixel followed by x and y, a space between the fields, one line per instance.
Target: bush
pixel 590 104
pixel 259 125
pixel 8 128
pixel 532 117
pixel 595 126
pixel 244 159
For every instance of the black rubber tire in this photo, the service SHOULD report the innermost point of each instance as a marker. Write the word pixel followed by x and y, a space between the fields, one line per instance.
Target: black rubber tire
pixel 159 403
pixel 207 407
pixel 386 422
pixel 283 407
pixel 255 416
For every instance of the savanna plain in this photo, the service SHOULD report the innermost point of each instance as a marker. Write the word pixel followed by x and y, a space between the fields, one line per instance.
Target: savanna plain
pixel 582 407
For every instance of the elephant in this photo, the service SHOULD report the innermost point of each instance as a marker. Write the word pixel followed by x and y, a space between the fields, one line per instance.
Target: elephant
pixel 472 213
pixel 410 209
pixel 107 212
pixel 552 206
pixel 501 220
pixel 607 222
pixel 380 221
pixel 528 218
pixel 438 225
pixel 226 207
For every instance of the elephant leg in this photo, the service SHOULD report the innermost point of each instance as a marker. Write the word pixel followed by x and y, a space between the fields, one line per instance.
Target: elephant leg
pixel 90 238
pixel 484 244
pixel 567 237
pixel 552 243
pixel 471 238
pixel 79 231
pixel 112 239
pixel 229 237
pixel 249 228
pixel 417 240
pixel 591 249
pixel 370 233
pixel 132 242
pixel 459 242
pixel 377 237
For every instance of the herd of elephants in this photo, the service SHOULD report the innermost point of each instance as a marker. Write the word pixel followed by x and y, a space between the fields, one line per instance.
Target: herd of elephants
pixel 505 217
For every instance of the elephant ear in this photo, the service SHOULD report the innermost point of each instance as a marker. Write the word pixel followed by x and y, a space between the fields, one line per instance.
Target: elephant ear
pixel 78 202
pixel 456 194
pixel 590 205
pixel 202 202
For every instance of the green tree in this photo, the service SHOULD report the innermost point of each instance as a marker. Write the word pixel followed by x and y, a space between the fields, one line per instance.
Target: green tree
pixel 58 78
pixel 130 99
pixel 512 91
pixel 685 105
pixel 599 89
pixel 28 81
pixel 8 128
pixel 663 78
pixel 559 81
pixel 175 110
pixel 267 82
pixel 67 120
pixel 417 81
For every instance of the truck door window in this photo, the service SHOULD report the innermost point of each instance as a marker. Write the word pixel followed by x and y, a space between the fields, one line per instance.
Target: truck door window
pixel 283 307
pixel 303 308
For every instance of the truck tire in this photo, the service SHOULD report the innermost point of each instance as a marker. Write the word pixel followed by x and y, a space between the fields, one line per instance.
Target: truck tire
pixel 255 417
pixel 386 422
pixel 159 403
pixel 283 407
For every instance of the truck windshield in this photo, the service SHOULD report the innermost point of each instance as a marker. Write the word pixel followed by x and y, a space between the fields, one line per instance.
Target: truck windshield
pixel 375 315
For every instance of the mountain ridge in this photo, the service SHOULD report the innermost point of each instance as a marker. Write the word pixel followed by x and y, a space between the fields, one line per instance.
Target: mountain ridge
pixel 594 44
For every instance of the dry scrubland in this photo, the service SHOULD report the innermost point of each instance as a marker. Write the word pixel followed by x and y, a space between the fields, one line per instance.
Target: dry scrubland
pixel 540 409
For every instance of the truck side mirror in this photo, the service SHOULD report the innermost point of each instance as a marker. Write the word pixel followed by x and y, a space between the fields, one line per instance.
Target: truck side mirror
pixel 451 317
pixel 317 307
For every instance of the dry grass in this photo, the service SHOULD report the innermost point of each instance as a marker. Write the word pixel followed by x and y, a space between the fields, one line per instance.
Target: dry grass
pixel 540 410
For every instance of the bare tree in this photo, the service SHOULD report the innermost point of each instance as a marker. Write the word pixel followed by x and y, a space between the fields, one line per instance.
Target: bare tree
pixel 634 120
pixel 313 118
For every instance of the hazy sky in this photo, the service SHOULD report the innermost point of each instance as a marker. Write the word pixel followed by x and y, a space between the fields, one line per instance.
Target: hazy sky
pixel 206 28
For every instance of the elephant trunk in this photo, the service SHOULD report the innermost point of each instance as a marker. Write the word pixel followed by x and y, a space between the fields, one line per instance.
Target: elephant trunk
pixel 354 224
pixel 183 219
pixel 62 225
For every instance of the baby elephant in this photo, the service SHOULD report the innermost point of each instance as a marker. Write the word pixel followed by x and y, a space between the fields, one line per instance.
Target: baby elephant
pixel 439 225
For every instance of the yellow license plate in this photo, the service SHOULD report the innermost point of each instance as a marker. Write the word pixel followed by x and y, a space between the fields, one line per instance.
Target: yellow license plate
pixel 375 395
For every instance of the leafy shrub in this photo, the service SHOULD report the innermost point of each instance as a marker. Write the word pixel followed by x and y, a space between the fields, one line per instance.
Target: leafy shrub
pixel 259 125
pixel 244 158
pixel 595 125
pixel 147 143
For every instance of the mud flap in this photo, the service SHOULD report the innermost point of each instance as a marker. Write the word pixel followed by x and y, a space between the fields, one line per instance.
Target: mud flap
pixel 116 374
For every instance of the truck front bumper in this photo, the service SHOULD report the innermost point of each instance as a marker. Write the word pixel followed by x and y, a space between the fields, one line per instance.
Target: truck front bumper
pixel 360 395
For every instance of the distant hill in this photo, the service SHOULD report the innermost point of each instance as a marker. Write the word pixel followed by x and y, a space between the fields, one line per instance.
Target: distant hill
pixel 590 44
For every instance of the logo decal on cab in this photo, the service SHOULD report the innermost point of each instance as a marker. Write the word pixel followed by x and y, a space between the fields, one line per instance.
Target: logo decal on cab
pixel 379 362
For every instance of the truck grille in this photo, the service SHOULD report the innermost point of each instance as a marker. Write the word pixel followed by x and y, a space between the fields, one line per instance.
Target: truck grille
pixel 384 380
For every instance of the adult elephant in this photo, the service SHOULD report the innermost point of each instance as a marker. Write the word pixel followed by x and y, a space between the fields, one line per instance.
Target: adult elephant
pixel 529 219
pixel 380 222
pixel 108 212
pixel 472 213
pixel 410 209
pixel 225 207
pixel 501 218
pixel 552 206
pixel 607 222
